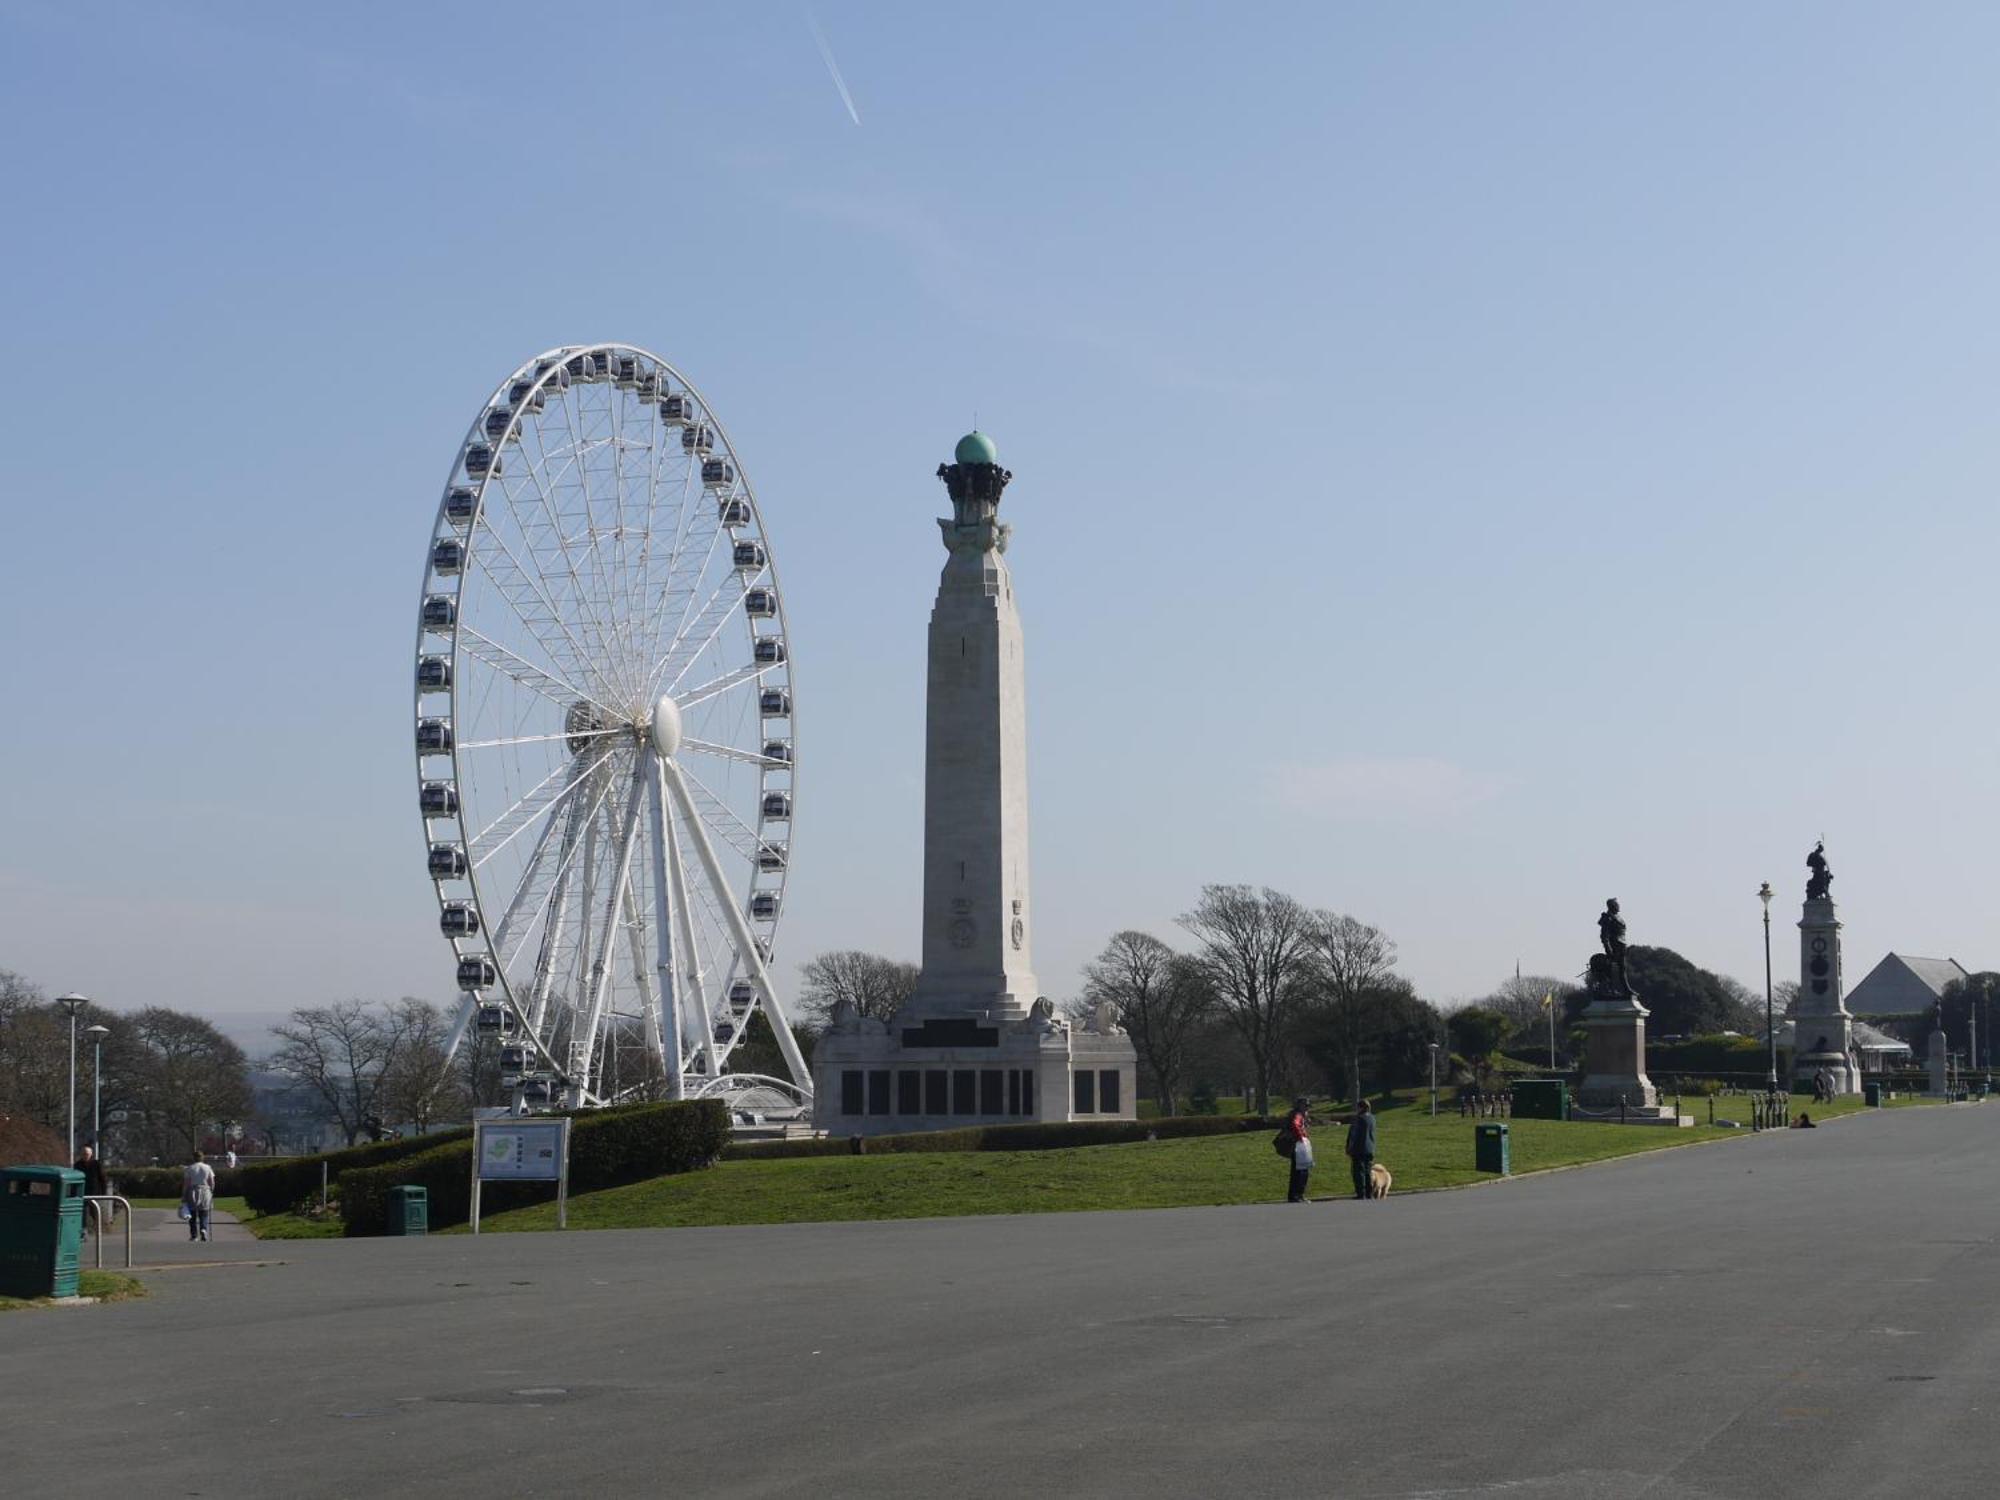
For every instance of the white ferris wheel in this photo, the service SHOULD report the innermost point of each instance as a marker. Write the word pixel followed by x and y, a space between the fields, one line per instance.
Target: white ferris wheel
pixel 605 738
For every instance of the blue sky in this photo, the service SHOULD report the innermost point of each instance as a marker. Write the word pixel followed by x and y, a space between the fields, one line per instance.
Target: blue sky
pixel 1471 460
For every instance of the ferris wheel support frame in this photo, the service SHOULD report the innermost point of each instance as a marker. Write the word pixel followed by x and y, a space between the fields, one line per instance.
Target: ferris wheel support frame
pixel 747 944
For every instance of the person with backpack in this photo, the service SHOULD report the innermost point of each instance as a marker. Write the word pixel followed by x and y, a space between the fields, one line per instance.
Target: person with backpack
pixel 1295 1145
pixel 1361 1147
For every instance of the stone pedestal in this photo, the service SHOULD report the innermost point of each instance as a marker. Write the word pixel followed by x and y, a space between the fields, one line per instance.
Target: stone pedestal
pixel 1939 1062
pixel 1823 1028
pixel 1615 1054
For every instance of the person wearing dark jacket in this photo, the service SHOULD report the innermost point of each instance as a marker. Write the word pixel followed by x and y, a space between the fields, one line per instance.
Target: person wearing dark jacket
pixel 93 1184
pixel 1361 1146
pixel 1301 1160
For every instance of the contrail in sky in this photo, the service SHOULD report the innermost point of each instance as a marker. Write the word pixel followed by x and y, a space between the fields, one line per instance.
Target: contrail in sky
pixel 832 67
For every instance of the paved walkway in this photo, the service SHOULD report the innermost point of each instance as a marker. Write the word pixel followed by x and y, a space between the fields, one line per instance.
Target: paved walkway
pixel 159 1238
pixel 1800 1313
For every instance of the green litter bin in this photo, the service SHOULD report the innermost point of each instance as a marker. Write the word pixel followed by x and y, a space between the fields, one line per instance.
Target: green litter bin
pixel 1871 1095
pixel 41 1231
pixel 409 1209
pixel 1490 1153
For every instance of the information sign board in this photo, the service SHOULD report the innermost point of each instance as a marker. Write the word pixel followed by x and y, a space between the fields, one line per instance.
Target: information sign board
pixel 512 1149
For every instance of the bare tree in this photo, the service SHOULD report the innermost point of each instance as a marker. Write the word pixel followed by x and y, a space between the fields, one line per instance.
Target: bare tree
pixel 339 1052
pixel 1160 998
pixel 415 1087
pixel 874 985
pixel 1350 960
pixel 1255 954
pixel 1785 997
pixel 189 1078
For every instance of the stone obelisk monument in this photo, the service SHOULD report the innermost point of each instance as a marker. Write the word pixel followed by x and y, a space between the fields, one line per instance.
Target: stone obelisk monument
pixel 974 1044
pixel 1822 1027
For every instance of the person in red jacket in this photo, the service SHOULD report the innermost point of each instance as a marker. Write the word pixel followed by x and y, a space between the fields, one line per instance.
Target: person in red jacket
pixel 1301 1152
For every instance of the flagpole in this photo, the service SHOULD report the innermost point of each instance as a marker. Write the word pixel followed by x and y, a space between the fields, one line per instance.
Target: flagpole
pixel 1548 1004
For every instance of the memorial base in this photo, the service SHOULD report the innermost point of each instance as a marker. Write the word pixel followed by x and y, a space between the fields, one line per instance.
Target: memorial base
pixel 946 1072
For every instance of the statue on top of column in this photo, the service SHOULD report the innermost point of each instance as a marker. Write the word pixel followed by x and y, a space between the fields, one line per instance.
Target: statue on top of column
pixel 1819 885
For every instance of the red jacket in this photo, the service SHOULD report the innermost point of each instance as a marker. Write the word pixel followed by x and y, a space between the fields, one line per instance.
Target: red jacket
pixel 1298 1126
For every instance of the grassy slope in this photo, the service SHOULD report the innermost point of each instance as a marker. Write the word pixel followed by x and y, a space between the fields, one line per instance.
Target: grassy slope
pixel 1423 1153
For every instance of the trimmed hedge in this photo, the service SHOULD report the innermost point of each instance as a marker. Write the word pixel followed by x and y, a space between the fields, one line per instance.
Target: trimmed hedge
pixel 165 1182
pixel 1049 1136
pixel 607 1148
pixel 279 1186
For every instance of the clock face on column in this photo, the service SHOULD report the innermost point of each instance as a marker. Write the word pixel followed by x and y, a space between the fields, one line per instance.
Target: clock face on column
pixel 1819 945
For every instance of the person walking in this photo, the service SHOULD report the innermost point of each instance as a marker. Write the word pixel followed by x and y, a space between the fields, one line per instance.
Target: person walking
pixel 1301 1152
pixel 1361 1147
pixel 198 1195
pixel 93 1183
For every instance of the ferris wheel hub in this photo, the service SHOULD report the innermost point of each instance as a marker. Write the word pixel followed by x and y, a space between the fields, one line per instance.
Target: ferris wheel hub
pixel 666 729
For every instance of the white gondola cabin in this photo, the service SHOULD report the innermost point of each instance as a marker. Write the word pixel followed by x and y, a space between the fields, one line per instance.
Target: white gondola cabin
pixel 459 919
pixel 447 861
pixel 769 650
pixel 760 604
pixel 434 673
pixel 438 799
pixel 433 736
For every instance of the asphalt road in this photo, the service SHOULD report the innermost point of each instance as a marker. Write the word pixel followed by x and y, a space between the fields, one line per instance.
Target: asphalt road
pixel 1798 1313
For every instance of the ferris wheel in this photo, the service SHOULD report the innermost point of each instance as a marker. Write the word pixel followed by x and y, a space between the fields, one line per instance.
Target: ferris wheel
pixel 605 738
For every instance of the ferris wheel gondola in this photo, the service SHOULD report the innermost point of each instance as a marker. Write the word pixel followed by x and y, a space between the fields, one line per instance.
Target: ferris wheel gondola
pixel 606 744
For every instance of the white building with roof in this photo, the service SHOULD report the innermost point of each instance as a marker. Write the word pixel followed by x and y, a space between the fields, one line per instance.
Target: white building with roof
pixel 1902 986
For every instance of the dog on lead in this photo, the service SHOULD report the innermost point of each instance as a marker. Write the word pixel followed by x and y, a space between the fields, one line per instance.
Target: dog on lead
pixel 1379 1180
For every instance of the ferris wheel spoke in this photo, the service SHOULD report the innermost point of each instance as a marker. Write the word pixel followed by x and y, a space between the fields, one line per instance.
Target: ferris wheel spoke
pixel 544 570
pixel 521 814
pixel 571 736
pixel 700 528
pixel 716 686
pixel 741 837
pixel 723 603
pixel 730 752
pixel 557 690
pixel 531 586
pixel 583 445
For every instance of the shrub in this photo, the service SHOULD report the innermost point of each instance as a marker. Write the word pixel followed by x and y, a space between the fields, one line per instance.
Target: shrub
pixel 165 1182
pixel 607 1148
pixel 278 1186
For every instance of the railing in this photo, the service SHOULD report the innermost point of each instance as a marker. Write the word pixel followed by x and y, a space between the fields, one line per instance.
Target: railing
pixel 91 1206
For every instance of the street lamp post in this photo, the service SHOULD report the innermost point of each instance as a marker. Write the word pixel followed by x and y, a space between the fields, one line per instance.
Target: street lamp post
pixel 1434 1079
pixel 1764 894
pixel 72 1003
pixel 97 1034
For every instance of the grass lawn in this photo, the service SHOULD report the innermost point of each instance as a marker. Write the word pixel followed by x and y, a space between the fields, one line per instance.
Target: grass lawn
pixel 1420 1151
pixel 105 1286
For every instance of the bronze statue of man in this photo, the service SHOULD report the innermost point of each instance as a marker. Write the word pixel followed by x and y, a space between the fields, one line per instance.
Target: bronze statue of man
pixel 1819 885
pixel 1611 933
